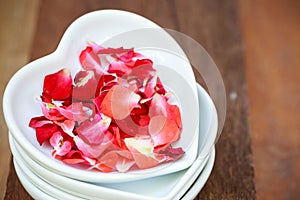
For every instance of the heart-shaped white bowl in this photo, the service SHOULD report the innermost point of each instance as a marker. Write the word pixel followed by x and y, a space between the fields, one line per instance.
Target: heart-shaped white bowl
pixel 19 100
pixel 174 185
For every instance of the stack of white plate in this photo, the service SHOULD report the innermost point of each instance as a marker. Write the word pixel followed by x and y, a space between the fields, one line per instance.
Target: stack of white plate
pixel 46 178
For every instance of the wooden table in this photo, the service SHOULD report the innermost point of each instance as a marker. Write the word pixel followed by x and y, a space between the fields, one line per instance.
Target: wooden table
pixel 213 24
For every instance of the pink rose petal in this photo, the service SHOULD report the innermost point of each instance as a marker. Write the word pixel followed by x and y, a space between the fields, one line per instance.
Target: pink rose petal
pixel 91 150
pixel 89 59
pixel 120 160
pixel 119 102
pixel 67 126
pixel 142 152
pixel 61 147
pixel 93 132
pixel 50 111
pixel 76 111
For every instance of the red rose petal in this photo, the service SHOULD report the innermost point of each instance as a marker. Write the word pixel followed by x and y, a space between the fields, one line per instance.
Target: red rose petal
pixel 160 106
pixel 44 133
pixel 163 131
pixel 101 167
pixel 39 121
pixel 58 85
pixel 77 157
pixel 119 68
pixel 85 85
pixel 143 70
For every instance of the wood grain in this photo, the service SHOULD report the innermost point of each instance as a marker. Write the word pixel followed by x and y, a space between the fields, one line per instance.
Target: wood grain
pixel 14 188
pixel 271 31
pixel 17 22
pixel 216 27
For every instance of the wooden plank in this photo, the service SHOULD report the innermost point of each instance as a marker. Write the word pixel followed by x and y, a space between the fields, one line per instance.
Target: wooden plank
pixel 15 43
pixel 213 25
pixel 15 189
pixel 271 33
pixel 66 13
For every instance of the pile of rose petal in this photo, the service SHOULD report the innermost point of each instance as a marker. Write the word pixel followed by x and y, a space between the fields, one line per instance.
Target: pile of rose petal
pixel 115 115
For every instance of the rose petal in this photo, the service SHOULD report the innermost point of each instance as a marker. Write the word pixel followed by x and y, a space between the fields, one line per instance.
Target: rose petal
pixel 160 106
pixel 123 165
pixel 67 126
pixel 93 131
pixel 50 111
pixel 58 85
pixel 39 121
pixel 143 70
pixel 117 159
pixel 90 150
pixel 170 154
pixel 85 85
pixel 44 133
pixel 142 152
pixel 77 157
pixel 119 68
pixel 163 131
pixel 89 59
pixel 116 51
pixel 119 102
pixel 153 86
pixel 123 63
pixel 76 111
pixel 61 147
pixel 174 114
pixel 160 87
pixel 101 141
pixel 101 167
pixel 141 120
pixel 106 81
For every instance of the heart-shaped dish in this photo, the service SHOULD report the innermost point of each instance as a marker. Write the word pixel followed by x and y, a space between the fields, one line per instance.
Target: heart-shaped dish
pixel 175 184
pixel 19 101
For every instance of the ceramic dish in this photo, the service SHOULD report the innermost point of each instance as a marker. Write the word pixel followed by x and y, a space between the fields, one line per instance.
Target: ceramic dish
pixel 19 103
pixel 134 190
pixel 175 184
pixel 41 184
pixel 36 193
